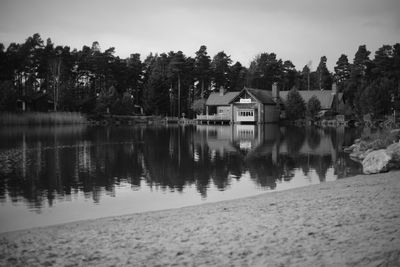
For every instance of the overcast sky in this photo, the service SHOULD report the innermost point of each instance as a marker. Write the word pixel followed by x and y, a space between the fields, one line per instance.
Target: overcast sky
pixel 296 30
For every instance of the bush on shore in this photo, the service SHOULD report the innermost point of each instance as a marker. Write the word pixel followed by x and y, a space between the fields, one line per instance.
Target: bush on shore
pixel 380 140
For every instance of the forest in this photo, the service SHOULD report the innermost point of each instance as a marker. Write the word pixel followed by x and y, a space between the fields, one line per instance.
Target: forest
pixel 37 75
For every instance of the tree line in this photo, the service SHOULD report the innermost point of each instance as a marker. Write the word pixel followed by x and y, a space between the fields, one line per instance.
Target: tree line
pixel 44 76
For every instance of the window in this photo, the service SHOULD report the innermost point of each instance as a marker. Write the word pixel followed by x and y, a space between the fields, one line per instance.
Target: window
pixel 246 113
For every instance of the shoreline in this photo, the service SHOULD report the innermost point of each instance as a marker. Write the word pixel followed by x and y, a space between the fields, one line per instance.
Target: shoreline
pixel 353 221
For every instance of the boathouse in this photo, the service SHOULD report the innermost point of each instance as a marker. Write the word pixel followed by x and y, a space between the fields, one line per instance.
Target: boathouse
pixel 247 106
pixel 256 106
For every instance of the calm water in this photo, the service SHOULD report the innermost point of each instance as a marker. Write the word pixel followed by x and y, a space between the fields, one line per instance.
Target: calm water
pixel 60 174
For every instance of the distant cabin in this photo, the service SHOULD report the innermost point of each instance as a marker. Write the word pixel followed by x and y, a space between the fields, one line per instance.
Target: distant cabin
pixel 329 99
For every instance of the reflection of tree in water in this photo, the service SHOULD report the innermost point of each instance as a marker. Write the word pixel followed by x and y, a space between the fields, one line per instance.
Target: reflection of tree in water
pixel 45 165
pixel 313 137
pixel 288 166
pixel 294 137
pixel 319 163
pixel 324 163
pixel 62 163
pixel 172 164
pixel 220 172
pixel 169 164
pixel 264 171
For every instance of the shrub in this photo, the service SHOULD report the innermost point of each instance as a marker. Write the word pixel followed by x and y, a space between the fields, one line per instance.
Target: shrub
pixel 313 106
pixel 199 106
pixel 295 106
pixel 380 139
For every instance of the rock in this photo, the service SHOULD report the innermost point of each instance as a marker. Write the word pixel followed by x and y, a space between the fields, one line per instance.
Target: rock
pixel 360 155
pixel 395 131
pixel 349 149
pixel 394 151
pixel 376 162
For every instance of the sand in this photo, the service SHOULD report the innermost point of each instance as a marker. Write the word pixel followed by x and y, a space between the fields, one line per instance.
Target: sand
pixel 353 222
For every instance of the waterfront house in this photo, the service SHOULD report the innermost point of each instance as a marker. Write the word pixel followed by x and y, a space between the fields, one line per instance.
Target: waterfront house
pixel 247 106
pixel 256 106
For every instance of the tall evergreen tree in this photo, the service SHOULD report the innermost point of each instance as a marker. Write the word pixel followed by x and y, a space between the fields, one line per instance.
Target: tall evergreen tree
pixel 237 77
pixel 289 75
pixel 357 82
pixel 264 70
pixel 342 72
pixel 324 76
pixel 220 70
pixel 202 65
pixel 157 88
pixel 383 62
pixel 305 83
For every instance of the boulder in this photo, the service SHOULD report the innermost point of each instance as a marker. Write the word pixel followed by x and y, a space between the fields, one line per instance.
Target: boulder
pixel 395 131
pixel 393 150
pixel 376 161
pixel 360 155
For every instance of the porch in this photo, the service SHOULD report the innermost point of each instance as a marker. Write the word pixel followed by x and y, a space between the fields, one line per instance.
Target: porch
pixel 214 118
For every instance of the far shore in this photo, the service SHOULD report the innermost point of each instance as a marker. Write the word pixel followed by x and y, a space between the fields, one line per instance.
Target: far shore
pixel 348 222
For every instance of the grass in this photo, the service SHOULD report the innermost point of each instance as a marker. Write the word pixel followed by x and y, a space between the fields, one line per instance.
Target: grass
pixel 41 118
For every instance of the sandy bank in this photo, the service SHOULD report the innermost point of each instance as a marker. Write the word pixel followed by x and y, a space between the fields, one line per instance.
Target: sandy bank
pixel 355 221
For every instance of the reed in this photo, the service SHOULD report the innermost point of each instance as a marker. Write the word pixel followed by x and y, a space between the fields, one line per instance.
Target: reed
pixel 42 118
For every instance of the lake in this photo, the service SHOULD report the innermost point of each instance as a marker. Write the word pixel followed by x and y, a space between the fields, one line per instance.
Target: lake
pixel 52 175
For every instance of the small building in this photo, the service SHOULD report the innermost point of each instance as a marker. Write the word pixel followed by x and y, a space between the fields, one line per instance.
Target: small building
pixel 255 106
pixel 218 107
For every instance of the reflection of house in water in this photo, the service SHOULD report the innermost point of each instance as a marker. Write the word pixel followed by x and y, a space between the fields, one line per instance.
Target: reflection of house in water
pixel 232 138
pixel 217 138
pixel 277 150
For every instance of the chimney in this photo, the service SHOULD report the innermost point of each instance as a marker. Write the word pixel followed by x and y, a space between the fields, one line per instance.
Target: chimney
pixel 221 90
pixel 275 91
pixel 334 88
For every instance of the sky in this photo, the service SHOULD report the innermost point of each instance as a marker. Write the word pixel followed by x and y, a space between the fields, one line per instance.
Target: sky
pixel 298 30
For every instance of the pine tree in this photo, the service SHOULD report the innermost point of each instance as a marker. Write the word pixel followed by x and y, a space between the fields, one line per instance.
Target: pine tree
pixel 220 69
pixel 202 71
pixel 324 76
pixel 342 72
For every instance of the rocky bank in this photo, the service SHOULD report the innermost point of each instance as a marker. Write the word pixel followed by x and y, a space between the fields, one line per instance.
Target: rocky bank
pixel 378 154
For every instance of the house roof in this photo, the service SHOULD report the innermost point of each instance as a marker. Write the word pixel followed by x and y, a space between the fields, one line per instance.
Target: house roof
pixel 325 97
pixel 264 96
pixel 216 99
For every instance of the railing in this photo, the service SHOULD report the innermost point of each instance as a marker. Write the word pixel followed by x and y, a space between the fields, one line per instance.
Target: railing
pixel 214 117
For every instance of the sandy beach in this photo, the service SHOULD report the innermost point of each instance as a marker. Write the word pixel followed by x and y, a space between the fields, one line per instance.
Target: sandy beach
pixel 349 222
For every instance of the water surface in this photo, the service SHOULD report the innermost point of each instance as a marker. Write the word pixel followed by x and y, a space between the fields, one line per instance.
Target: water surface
pixel 51 175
